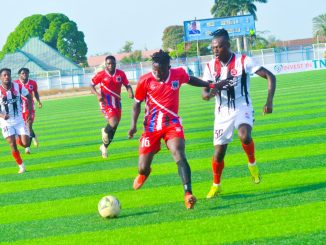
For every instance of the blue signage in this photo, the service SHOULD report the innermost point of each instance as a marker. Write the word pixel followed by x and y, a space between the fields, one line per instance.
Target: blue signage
pixel 201 29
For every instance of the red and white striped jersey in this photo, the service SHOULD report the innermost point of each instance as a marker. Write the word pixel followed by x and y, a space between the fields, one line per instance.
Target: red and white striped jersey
pixel 110 84
pixel 162 98
pixel 10 102
pixel 31 86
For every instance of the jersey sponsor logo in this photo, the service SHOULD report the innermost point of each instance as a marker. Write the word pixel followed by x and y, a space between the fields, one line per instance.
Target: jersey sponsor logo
pixel 119 79
pixel 234 72
pixel 175 84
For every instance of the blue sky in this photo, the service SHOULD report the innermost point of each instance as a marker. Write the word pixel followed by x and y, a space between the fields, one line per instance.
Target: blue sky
pixel 108 24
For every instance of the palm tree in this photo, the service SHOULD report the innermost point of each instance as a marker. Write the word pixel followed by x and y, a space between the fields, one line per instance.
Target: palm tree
pixel 225 8
pixel 319 25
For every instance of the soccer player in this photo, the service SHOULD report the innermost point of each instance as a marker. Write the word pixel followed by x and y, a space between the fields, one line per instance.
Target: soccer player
pixel 31 86
pixel 160 91
pixel 233 109
pixel 11 117
pixel 110 80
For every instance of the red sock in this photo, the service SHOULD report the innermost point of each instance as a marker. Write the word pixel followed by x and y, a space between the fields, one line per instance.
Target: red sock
pixel 250 151
pixel 17 157
pixel 217 170
pixel 19 142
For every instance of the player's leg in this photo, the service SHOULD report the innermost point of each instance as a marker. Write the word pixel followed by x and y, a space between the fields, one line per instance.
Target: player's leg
pixel 149 145
pixel 113 118
pixel 217 168
pixel 223 133
pixel 9 134
pixel 174 138
pixel 29 129
pixel 144 169
pixel 244 123
pixel 23 136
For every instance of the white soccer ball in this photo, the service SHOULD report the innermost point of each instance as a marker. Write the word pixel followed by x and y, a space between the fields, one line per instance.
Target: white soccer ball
pixel 109 207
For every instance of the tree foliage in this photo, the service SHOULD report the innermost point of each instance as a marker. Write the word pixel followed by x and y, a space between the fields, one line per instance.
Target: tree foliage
pixel 54 29
pixel 190 49
pixel 172 35
pixel 224 8
pixel 134 57
pixel 319 25
pixel 127 48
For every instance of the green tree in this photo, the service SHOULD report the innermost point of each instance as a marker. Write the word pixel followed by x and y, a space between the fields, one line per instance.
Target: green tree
pixel 71 43
pixel 32 26
pixel 127 48
pixel 224 8
pixel 134 57
pixel 319 25
pixel 172 35
pixel 55 29
pixel 190 49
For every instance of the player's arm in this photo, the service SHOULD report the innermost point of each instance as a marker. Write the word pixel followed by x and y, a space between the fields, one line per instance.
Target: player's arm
pixel 37 97
pixel 263 72
pixel 130 91
pixel 97 94
pixel 134 117
pixel 207 86
pixel 4 116
pixel 29 106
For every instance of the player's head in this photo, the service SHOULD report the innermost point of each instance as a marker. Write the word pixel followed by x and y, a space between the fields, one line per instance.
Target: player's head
pixel 110 63
pixel 221 43
pixel 193 25
pixel 161 65
pixel 23 74
pixel 5 75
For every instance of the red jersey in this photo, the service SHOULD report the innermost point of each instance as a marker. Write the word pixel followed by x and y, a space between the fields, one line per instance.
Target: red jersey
pixel 31 86
pixel 110 84
pixel 162 98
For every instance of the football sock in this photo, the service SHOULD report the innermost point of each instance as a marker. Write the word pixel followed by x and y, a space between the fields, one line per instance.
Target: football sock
pixel 32 134
pixel 185 174
pixel 217 171
pixel 17 157
pixel 250 151
pixel 110 131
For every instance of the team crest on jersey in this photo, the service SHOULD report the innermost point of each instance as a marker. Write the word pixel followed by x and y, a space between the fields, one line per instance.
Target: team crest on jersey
pixel 234 72
pixel 119 79
pixel 31 87
pixel 175 84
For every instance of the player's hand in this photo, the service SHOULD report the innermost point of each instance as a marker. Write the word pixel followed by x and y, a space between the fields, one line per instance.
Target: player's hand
pixel 268 108
pixel 131 133
pixel 40 105
pixel 6 117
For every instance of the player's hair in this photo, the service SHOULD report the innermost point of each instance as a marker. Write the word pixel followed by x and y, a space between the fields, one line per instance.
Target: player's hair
pixel 5 69
pixel 110 57
pixel 220 33
pixel 26 70
pixel 161 57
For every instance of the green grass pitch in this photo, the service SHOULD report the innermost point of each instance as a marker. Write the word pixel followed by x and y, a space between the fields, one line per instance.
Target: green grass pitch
pixel 55 202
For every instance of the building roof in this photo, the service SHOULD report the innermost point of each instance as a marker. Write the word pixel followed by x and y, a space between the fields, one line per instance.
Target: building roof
pixel 37 56
pixel 300 42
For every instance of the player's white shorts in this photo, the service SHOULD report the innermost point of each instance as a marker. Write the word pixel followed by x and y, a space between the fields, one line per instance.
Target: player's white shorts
pixel 18 128
pixel 226 120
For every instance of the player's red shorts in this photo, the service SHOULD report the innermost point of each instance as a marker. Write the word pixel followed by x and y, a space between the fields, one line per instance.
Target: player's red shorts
pixel 25 114
pixel 110 112
pixel 151 141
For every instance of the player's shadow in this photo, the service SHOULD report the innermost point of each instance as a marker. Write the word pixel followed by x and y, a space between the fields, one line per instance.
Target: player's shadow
pixel 137 214
pixel 241 199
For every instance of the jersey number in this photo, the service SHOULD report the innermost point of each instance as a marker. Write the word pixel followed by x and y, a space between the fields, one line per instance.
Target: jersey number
pixel 145 142
pixel 218 133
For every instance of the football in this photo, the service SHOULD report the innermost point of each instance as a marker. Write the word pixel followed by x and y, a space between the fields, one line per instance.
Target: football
pixel 109 207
